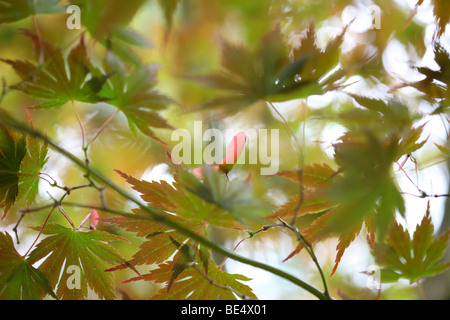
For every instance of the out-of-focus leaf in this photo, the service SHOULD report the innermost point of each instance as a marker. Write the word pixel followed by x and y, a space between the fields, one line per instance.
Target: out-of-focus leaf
pixel 412 259
pixel 445 150
pixel 89 251
pixel 19 280
pixel 15 10
pixel 52 84
pixel 271 73
pixel 108 20
pixel 441 11
pixel 101 16
pixel 236 197
pixel 435 84
pixel 317 175
pixel 168 7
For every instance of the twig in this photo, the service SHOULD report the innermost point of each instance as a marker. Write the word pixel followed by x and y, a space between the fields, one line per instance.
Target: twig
pixel 310 251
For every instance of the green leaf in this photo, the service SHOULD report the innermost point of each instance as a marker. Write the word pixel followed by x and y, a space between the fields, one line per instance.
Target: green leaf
pixel 89 251
pixel 12 152
pixel 15 10
pixel 133 92
pixel 19 280
pixel 52 84
pixel 413 258
pixel 30 168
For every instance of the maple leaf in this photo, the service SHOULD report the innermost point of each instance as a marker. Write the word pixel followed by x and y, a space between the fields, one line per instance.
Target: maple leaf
pixel 12 152
pixel 19 280
pixel 15 10
pixel 412 258
pixel 88 251
pixel 192 285
pixel 31 166
pixel 271 72
pixel 133 92
pixel 51 83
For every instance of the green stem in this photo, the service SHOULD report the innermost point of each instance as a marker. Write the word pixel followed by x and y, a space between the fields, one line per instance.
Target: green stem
pixel 153 214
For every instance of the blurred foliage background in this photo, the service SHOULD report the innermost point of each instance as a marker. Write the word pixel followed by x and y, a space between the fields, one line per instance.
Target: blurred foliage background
pixel 184 38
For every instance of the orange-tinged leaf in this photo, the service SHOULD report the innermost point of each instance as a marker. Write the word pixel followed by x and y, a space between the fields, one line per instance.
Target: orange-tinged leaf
pixel 344 241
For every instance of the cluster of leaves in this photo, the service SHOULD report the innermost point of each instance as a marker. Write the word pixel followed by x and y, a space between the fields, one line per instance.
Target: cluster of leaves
pixel 130 91
pixel 358 192
pixel 194 204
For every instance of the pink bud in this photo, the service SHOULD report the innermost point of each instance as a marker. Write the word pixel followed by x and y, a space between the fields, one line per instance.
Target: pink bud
pixel 233 152
pixel 94 219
